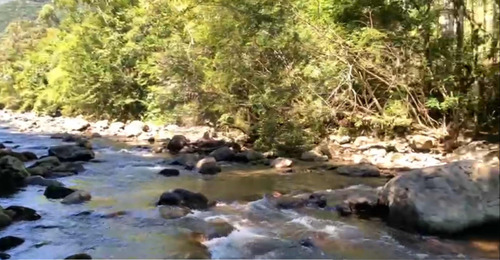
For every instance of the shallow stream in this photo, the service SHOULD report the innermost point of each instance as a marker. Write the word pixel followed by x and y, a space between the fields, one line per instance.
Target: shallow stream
pixel 125 178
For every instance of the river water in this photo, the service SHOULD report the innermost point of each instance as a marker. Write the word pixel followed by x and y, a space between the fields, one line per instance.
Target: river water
pixel 125 178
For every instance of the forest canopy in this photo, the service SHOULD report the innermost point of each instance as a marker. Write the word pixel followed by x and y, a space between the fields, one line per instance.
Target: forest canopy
pixel 283 71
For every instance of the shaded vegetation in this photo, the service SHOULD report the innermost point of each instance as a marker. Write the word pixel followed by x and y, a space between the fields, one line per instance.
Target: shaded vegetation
pixel 285 72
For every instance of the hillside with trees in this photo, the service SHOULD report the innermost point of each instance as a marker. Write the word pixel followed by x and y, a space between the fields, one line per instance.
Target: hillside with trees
pixel 285 72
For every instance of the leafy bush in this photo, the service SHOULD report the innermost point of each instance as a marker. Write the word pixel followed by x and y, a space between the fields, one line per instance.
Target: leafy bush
pixel 285 72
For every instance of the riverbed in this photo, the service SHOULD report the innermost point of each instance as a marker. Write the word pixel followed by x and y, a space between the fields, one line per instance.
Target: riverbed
pixel 122 220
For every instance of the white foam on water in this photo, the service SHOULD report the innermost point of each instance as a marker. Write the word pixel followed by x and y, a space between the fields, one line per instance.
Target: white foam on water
pixel 332 230
pixel 217 217
pixel 323 226
pixel 221 204
pixel 232 246
pixel 290 213
pixel 304 221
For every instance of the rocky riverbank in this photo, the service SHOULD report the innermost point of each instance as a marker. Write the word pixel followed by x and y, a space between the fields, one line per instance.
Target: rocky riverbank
pixel 443 194
pixel 411 152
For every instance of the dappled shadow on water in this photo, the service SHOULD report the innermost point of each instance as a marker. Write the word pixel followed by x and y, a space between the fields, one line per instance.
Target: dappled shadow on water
pixel 121 220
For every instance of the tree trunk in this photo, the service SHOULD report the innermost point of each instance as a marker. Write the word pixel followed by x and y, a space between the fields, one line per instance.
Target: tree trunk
pixel 459 10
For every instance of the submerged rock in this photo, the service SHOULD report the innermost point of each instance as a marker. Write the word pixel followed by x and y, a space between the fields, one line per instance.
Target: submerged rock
pixel 173 212
pixel 51 167
pixel 219 228
pixel 77 197
pixel 71 153
pixel 294 202
pixel 12 174
pixel 55 192
pixel 185 198
pixel 114 214
pixel 188 160
pixel 10 242
pixel 23 213
pixel 443 199
pixel 208 165
pixel 359 199
pixel 79 256
pixel 359 170
pixel 169 172
pixel 41 181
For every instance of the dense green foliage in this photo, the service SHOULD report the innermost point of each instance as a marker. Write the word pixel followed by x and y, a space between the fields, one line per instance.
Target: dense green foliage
pixel 284 71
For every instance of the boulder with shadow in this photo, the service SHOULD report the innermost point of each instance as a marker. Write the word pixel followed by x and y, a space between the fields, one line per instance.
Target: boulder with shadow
pixel 12 174
pixel 71 153
pixel 55 192
pixel 444 199
pixel 184 198
pixel 77 197
pixel 10 242
pixel 20 213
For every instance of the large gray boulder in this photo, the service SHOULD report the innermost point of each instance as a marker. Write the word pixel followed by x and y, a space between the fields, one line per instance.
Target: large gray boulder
pixel 20 213
pixel 115 128
pixel 223 154
pixel 71 153
pixel 5 219
pixel 57 192
pixel 51 167
pixel 443 199
pixel 76 124
pixel 43 166
pixel 9 242
pixel 208 165
pixel 184 198
pixel 12 174
pixel 41 181
pixel 135 128
pixel 23 156
pixel 177 143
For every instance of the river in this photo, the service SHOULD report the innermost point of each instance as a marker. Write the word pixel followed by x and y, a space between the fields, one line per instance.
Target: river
pixel 124 178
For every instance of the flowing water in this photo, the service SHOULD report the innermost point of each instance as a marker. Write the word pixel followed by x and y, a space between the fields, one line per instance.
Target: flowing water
pixel 126 179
